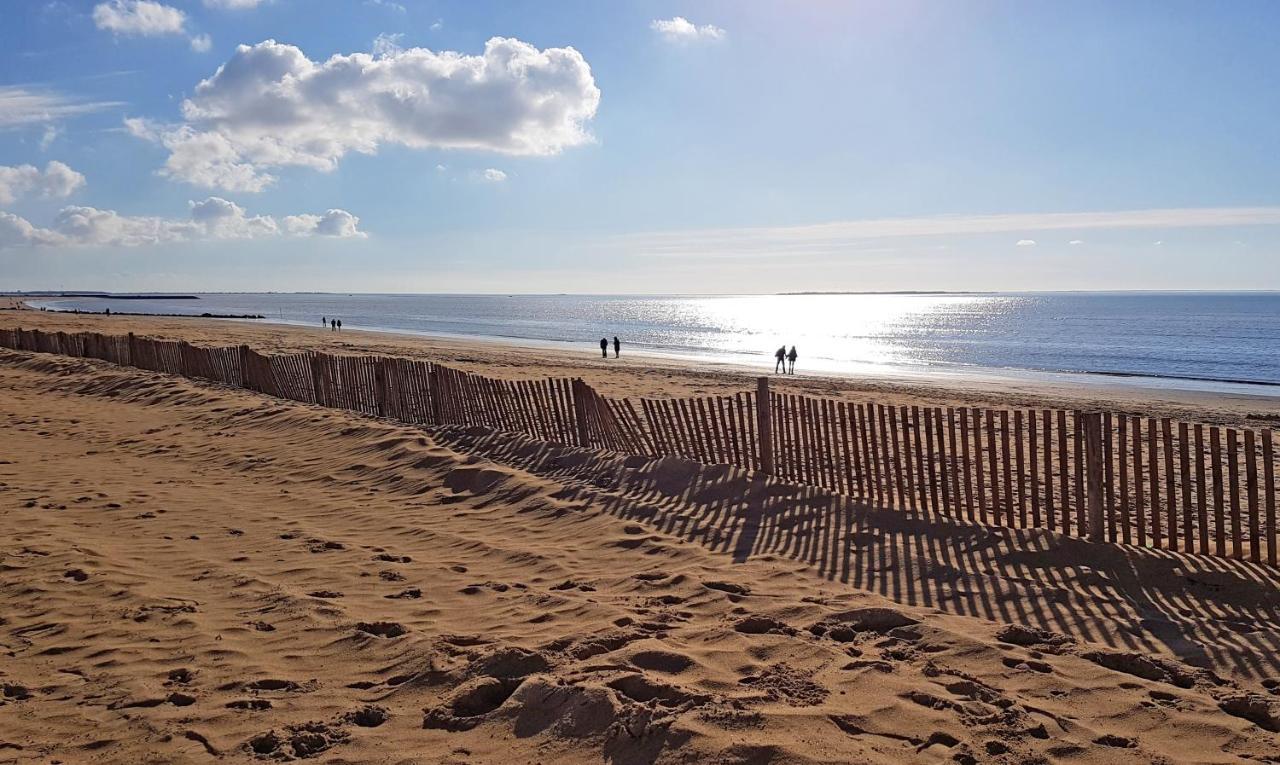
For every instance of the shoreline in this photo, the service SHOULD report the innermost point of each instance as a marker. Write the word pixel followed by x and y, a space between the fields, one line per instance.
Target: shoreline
pixel 658 376
pixel 949 375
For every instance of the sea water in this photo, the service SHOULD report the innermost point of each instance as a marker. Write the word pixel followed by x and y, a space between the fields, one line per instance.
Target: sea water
pixel 1207 341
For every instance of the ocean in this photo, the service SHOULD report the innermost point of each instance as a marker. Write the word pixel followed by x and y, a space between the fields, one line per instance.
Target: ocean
pixel 1199 341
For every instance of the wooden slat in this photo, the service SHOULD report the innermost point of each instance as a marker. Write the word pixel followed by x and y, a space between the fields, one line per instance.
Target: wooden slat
pixel 1219 519
pixel 1269 487
pixel 1184 462
pixel 1108 477
pixel 1081 499
pixel 1202 491
pixel 898 417
pixel 915 453
pixel 944 473
pixel 978 508
pixel 993 462
pixel 1251 483
pixel 1064 475
pixel 1153 472
pixel 1170 482
pixel 1006 467
pixel 1139 492
pixel 957 500
pixel 930 467
pixel 1020 466
pixel 1126 533
pixel 1233 472
pixel 1033 460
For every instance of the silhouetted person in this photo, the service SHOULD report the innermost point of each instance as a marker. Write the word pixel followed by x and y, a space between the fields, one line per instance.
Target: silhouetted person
pixel 792 358
pixel 604 347
pixel 617 346
pixel 793 350
pixel 780 360
pixel 324 321
pixel 333 325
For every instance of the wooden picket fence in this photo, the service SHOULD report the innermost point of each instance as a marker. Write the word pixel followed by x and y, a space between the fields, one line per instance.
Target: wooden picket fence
pixel 1105 476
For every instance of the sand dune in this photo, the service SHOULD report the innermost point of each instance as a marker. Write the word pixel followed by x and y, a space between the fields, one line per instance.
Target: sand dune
pixel 192 573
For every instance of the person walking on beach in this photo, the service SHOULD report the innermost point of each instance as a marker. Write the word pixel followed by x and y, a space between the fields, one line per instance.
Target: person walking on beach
pixel 780 360
pixel 617 346
pixel 604 347
pixel 793 350
pixel 324 321
pixel 333 325
pixel 792 358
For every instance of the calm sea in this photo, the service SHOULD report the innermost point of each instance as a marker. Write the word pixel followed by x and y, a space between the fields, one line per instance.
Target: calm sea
pixel 1208 341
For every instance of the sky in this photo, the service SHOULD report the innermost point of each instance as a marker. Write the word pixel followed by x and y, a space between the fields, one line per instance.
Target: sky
pixel 638 147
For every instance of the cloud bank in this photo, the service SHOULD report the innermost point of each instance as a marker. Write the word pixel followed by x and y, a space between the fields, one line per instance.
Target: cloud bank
pixel 55 181
pixel 270 106
pixel 681 30
pixel 830 238
pixel 212 219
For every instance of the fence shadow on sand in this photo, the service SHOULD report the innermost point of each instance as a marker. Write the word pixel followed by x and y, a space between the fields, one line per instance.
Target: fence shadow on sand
pixel 1205 610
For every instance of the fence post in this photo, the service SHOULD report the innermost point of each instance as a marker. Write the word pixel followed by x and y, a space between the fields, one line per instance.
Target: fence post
pixel 380 385
pixel 764 425
pixel 1092 429
pixel 248 379
pixel 580 393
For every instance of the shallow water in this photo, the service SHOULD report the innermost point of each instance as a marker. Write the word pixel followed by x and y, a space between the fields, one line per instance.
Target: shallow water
pixel 1209 341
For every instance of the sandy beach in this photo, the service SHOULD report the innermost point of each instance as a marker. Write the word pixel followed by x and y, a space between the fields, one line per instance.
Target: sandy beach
pixel 193 573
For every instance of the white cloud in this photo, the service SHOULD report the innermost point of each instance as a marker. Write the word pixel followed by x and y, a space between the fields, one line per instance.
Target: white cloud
pixel 146 18
pixel 1026 243
pixel 55 181
pixel 201 43
pixel 51 133
pixel 437 25
pixel 233 4
pixel 681 30
pixel 270 106
pixel 388 4
pixel 24 105
pixel 336 223
pixel 214 218
pixel 387 44
pixel 1076 241
pixel 492 175
pixel 829 238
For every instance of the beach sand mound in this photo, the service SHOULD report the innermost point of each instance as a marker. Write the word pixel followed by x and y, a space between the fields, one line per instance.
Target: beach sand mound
pixel 192 573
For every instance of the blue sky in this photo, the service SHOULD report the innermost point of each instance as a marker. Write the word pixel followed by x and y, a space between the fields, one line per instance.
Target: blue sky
pixel 638 147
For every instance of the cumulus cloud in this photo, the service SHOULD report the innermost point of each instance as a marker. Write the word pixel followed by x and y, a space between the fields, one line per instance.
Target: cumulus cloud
pixel 270 106
pixel 492 175
pixel 55 181
pixel 681 30
pixel 51 133
pixel 201 43
pixel 1026 243
pixel 26 105
pixel 213 218
pixel 145 18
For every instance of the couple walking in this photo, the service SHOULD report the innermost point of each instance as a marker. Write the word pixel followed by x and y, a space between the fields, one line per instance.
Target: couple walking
pixel 782 357
pixel 604 347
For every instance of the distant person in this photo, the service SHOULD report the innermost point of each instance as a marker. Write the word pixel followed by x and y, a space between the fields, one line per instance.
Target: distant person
pixel 333 325
pixel 108 312
pixel 340 329
pixel 324 321
pixel 780 360
pixel 617 346
pixel 604 347
pixel 792 358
